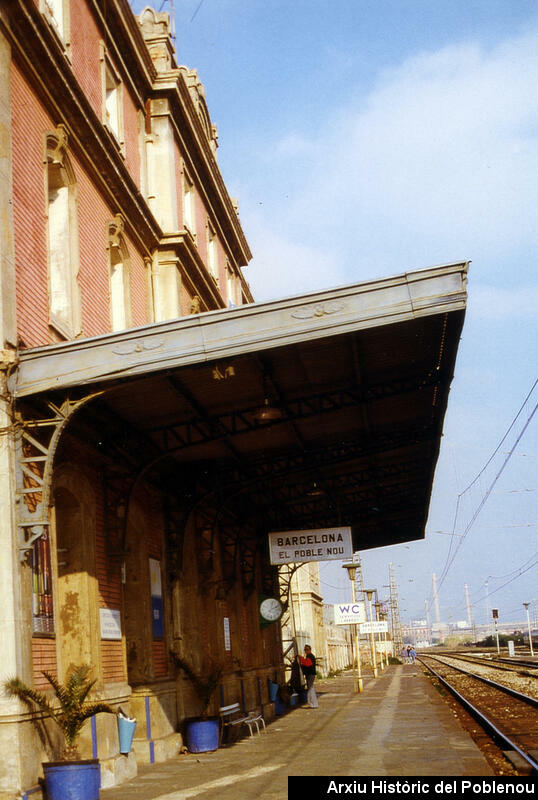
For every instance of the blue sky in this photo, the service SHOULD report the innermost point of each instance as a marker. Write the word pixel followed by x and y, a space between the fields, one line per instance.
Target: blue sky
pixel 366 138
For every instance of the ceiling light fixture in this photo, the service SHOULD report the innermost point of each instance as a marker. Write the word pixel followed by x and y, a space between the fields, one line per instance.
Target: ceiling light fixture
pixel 267 412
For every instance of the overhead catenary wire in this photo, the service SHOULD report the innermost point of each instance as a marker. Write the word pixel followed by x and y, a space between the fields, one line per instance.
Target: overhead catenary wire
pixel 456 540
pixel 511 577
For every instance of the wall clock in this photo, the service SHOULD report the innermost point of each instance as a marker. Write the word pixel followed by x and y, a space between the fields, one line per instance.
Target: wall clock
pixel 270 609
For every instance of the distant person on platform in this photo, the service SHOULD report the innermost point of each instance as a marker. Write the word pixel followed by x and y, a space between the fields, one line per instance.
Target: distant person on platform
pixel 403 654
pixel 412 655
pixel 308 666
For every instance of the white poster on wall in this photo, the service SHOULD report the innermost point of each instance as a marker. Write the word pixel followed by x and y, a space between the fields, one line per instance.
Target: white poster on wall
pixel 110 619
pixel 227 637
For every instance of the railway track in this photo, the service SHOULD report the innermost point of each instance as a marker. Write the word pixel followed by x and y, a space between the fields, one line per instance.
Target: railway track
pixel 509 717
pixel 522 667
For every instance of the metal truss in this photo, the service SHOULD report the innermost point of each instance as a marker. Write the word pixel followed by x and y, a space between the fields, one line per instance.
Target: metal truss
pixel 207 428
pixel 36 442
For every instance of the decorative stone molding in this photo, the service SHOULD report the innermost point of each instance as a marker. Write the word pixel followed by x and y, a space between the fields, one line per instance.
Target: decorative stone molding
pixel 318 310
pixel 115 230
pixel 57 141
pixel 157 35
pixel 197 92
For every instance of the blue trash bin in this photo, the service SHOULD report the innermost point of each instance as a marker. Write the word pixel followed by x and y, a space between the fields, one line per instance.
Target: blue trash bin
pixel 126 730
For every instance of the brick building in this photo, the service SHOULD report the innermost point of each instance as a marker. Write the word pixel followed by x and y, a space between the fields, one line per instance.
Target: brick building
pixel 114 215
pixel 156 423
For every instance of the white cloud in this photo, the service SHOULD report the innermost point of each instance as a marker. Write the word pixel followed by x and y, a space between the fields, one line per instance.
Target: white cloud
pixel 439 162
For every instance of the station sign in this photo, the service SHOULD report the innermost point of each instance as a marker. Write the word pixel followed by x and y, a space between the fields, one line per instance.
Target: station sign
pixel 349 613
pixel 374 627
pixel 384 647
pixel 321 544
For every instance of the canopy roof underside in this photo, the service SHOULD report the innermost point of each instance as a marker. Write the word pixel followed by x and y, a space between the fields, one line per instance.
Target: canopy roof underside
pixel 310 412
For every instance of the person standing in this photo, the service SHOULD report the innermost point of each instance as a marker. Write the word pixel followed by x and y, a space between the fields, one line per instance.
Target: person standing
pixel 403 654
pixel 308 666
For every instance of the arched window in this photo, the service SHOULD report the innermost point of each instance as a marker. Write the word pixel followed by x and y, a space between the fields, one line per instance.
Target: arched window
pixel 64 297
pixel 120 294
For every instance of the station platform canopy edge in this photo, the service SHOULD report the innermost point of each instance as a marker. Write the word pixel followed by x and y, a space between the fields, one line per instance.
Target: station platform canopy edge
pixel 316 411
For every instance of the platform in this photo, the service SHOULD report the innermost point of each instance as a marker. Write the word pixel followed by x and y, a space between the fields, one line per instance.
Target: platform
pixel 398 726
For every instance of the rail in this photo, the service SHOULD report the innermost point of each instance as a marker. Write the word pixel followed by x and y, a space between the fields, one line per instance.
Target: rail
pixel 494 731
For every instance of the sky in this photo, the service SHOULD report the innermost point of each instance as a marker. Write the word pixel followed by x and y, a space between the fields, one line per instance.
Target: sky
pixel 364 138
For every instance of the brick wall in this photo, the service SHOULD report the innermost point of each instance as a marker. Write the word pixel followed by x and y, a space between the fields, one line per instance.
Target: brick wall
pixel 94 217
pixel 30 121
pixel 112 662
pixel 160 658
pixel 110 596
pixel 43 660
pixel 85 53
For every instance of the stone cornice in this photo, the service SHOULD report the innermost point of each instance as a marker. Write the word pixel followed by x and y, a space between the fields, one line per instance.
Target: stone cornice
pixel 194 272
pixel 201 160
pixel 126 43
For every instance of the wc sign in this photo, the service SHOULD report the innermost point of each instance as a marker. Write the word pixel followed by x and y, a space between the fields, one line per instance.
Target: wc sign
pixel 349 613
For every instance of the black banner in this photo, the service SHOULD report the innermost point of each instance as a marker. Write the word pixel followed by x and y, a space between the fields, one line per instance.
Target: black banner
pixel 325 788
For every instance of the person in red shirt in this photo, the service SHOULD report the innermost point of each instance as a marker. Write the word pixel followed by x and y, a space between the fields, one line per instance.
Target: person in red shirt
pixel 308 666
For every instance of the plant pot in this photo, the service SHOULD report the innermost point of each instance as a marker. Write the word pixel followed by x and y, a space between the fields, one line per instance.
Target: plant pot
pixel 126 730
pixel 72 780
pixel 202 735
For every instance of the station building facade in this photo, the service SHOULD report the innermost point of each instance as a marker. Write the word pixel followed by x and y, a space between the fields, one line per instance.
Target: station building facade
pixel 156 422
pixel 114 216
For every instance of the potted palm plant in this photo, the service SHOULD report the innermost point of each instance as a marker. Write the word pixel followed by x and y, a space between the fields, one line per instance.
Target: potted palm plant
pixel 70 777
pixel 202 731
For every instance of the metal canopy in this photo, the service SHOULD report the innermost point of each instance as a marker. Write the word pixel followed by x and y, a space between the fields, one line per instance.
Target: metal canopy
pixel 313 411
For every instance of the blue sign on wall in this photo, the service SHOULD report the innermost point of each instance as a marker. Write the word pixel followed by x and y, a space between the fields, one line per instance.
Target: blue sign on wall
pixel 156 598
pixel 157 617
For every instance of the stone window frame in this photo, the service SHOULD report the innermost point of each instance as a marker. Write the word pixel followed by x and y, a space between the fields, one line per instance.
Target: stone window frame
pixel 212 245
pixel 189 203
pixel 231 286
pixel 118 253
pixel 143 139
pixel 109 74
pixel 57 162
pixel 62 26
